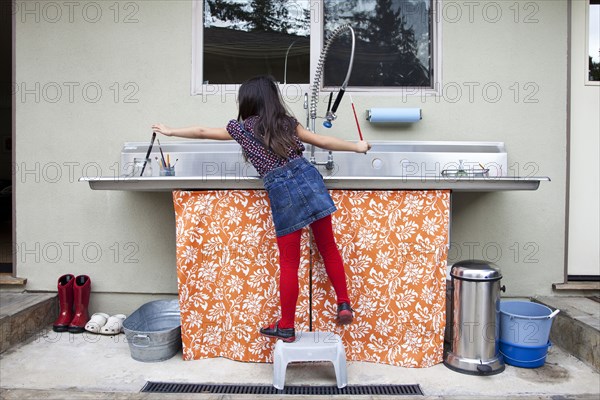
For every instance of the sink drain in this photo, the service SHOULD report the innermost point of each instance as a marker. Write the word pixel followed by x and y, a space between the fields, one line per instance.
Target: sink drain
pixel 365 390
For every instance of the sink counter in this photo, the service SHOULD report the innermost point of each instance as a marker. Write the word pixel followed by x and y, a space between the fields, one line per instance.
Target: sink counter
pixel 462 184
pixel 407 165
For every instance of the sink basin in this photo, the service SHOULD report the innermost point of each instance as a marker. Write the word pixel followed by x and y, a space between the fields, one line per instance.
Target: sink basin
pixel 216 165
pixel 418 159
pixel 410 159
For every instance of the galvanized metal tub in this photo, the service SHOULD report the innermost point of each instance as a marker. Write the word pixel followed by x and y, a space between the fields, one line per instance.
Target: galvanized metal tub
pixel 153 331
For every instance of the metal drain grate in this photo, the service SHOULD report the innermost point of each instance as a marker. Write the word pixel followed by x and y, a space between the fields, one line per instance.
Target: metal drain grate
pixel 392 390
pixel 595 298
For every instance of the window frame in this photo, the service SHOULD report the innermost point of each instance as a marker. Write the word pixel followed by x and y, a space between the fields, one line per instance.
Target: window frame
pixel 199 88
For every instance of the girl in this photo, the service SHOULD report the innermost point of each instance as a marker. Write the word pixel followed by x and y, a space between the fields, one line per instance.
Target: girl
pixel 272 141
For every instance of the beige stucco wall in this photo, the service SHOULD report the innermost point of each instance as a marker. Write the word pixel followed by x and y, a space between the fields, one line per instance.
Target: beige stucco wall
pixel 125 241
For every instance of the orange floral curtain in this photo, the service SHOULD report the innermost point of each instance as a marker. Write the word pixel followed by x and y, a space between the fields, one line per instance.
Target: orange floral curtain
pixel 394 246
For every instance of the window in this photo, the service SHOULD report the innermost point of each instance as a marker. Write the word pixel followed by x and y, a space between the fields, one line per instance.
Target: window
pixel 237 39
pixel 245 38
pixel 593 42
pixel 393 42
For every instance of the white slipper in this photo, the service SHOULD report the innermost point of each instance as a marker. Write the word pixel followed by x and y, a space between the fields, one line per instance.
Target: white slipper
pixel 114 325
pixel 97 321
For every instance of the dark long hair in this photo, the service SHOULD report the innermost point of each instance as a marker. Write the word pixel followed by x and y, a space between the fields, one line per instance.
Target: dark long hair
pixel 260 97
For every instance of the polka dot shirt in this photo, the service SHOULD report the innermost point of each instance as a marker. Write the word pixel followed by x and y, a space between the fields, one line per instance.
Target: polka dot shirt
pixel 263 159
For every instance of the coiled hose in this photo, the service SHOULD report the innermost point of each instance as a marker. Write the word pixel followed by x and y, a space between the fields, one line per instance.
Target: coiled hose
pixel 321 65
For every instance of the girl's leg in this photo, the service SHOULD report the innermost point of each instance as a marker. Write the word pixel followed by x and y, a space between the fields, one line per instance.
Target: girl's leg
pixel 289 262
pixel 334 266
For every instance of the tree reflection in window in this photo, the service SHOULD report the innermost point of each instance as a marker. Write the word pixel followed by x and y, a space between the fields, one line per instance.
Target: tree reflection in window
pixel 393 43
pixel 594 41
pixel 244 38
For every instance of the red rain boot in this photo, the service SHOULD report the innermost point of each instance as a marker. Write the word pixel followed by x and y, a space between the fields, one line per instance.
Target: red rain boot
pixel 65 302
pixel 81 299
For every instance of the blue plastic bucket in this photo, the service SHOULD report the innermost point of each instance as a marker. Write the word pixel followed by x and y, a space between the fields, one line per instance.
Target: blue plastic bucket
pixel 526 324
pixel 524 356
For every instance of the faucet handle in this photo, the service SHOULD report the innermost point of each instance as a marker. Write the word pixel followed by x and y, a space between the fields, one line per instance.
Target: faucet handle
pixel 338 99
pixel 329 116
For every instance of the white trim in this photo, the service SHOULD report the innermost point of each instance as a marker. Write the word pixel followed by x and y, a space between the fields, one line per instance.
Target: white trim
pixel 438 82
pixel 197 46
pixel 317 15
pixel 316 42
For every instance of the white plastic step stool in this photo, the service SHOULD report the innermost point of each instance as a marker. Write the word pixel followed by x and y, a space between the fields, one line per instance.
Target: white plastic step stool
pixel 310 346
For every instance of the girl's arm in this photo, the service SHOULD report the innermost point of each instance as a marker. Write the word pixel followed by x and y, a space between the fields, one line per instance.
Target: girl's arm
pixel 330 142
pixel 193 132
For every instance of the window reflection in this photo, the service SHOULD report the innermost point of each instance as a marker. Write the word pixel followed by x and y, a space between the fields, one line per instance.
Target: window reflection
pixel 244 38
pixel 594 41
pixel 393 44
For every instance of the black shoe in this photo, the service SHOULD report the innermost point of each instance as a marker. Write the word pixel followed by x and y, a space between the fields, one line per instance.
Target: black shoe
pixel 288 335
pixel 344 314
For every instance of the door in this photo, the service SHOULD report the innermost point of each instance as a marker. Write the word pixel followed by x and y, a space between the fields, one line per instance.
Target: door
pixel 584 177
pixel 6 118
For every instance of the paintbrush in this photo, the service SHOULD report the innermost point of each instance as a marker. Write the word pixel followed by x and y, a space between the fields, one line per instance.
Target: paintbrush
pixel 161 153
pixel 148 153
pixel 356 118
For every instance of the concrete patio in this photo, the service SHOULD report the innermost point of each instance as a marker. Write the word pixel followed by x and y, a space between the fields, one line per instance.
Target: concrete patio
pixel 53 365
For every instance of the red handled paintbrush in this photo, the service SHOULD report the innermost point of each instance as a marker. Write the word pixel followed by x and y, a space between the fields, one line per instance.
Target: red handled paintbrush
pixel 356 118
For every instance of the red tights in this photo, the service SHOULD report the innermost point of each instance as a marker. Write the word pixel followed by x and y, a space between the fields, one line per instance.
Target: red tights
pixel 289 259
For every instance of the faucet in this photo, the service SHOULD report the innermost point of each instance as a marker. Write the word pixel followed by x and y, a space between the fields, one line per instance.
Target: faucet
pixel 287 53
pixel 330 115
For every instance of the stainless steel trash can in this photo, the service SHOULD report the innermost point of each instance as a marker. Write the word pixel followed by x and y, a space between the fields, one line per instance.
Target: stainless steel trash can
pixel 475 306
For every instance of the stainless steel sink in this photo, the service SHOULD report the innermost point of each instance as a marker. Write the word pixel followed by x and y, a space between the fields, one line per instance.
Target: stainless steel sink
pixel 386 159
pixel 419 159
pixel 199 158
pixel 208 165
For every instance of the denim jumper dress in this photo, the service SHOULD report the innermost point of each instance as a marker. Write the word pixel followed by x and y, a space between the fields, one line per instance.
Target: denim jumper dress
pixel 297 194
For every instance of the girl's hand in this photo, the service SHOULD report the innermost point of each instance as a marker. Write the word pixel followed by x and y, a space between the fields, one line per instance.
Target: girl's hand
pixel 163 129
pixel 362 146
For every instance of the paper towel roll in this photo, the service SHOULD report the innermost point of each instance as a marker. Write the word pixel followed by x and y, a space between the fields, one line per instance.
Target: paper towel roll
pixel 393 115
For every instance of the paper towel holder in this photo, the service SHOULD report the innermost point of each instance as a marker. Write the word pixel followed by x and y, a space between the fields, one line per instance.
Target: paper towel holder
pixel 403 116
